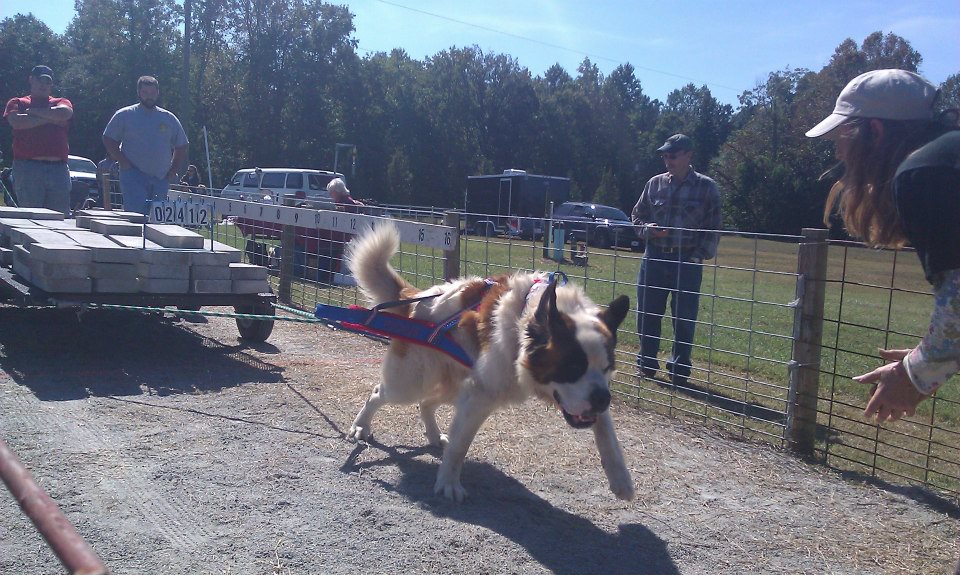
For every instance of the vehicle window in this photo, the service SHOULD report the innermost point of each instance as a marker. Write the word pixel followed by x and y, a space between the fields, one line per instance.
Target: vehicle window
pixel 315 183
pixel 235 181
pixel 609 213
pixel 273 180
pixel 250 180
pixel 295 180
pixel 82 165
pixel 577 211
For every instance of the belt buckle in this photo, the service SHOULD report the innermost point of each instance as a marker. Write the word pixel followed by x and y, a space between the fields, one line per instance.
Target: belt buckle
pixel 669 250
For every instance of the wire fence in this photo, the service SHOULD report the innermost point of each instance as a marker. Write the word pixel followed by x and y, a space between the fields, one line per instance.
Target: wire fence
pixel 784 322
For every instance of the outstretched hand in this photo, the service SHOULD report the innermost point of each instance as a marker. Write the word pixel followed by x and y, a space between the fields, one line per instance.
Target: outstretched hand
pixel 893 395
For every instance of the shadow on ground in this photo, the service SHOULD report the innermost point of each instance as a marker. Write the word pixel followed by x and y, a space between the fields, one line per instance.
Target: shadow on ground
pixel 61 355
pixel 561 542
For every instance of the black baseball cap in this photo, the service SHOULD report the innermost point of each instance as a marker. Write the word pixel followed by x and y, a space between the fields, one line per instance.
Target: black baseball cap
pixel 41 71
pixel 676 143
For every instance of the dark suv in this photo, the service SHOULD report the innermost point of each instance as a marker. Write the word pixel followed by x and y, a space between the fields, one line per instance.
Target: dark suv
pixel 598 225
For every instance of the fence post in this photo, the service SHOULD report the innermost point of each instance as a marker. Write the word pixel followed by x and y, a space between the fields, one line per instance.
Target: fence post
pixel 451 256
pixel 804 366
pixel 287 247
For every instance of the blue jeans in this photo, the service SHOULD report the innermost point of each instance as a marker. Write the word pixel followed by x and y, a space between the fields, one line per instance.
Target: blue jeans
pixel 663 275
pixel 138 188
pixel 42 184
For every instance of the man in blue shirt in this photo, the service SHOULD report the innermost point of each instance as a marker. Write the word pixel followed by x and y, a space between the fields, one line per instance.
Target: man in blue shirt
pixel 675 211
pixel 149 144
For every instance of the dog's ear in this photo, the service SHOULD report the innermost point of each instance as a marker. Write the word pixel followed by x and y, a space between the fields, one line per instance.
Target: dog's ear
pixel 613 316
pixel 546 320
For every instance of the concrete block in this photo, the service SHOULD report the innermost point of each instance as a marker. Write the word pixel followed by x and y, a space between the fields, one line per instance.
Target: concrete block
pixel 210 273
pixel 8 224
pixel 62 285
pixel 27 236
pixel 61 253
pixel 135 217
pixel 166 257
pixel 251 286
pixel 21 262
pixel 116 285
pixel 113 271
pixel 208 258
pixel 104 250
pixel 115 227
pixel 134 242
pixel 233 254
pixel 247 272
pixel 211 286
pixel 30 213
pixel 56 224
pixel 177 272
pixel 173 236
pixel 163 285
pixel 50 271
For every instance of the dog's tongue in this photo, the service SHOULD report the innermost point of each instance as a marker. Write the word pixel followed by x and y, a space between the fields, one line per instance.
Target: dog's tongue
pixel 582 419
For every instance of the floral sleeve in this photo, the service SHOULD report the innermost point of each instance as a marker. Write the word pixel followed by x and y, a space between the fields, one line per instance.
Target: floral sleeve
pixel 937 357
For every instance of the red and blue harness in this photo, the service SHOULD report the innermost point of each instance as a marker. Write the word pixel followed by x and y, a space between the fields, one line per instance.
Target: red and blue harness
pixel 416 331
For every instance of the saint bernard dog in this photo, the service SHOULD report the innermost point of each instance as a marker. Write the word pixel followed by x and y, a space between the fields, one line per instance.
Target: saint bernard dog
pixel 528 336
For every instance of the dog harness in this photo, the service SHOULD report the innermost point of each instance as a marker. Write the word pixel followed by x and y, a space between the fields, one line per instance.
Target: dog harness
pixel 381 323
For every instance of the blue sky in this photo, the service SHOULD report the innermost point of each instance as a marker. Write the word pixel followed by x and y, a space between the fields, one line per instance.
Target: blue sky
pixel 729 46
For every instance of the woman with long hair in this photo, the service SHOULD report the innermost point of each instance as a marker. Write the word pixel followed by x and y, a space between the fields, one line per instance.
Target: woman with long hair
pixel 901 186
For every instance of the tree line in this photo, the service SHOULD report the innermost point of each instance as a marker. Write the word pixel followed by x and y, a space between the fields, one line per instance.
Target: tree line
pixel 280 82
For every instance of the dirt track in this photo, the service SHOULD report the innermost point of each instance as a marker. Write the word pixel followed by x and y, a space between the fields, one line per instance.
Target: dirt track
pixel 174 448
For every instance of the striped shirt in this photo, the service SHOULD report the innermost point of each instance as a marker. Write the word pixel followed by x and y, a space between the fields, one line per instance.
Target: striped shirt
pixel 685 208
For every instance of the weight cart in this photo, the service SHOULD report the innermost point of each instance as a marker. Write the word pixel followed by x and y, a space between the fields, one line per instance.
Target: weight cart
pixel 255 311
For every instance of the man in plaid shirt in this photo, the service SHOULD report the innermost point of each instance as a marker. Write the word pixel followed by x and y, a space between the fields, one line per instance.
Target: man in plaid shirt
pixel 674 212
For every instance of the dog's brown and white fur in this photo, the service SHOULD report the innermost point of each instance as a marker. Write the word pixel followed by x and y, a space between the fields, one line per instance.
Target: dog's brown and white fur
pixel 529 337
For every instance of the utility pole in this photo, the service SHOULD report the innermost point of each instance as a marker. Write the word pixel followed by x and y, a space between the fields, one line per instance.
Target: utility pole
pixel 185 101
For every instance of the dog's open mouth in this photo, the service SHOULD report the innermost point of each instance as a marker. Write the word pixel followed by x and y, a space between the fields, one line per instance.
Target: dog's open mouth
pixel 581 421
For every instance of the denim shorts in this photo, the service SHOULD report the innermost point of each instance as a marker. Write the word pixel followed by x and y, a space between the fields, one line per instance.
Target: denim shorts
pixel 42 184
pixel 138 188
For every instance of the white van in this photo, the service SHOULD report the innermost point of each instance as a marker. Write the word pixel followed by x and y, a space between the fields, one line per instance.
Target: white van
pixel 272 185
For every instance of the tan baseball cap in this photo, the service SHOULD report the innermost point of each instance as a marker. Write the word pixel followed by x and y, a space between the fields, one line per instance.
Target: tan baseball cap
pixel 882 94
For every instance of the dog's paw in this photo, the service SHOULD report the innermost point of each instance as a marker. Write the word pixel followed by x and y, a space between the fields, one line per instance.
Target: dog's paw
pixel 623 488
pixel 449 488
pixel 439 440
pixel 358 433
pixel 453 491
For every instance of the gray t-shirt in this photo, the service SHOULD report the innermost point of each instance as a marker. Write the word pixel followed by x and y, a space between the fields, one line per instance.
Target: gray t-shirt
pixel 147 137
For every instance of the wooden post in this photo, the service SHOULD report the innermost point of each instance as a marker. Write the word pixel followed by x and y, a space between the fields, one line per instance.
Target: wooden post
pixel 451 255
pixel 287 247
pixel 804 366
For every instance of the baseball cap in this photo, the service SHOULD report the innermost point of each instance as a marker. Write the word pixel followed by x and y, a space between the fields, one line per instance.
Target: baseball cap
pixel 676 143
pixel 41 71
pixel 882 94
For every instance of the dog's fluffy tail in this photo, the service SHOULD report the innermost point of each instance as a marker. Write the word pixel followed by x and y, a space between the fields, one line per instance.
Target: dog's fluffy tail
pixel 368 257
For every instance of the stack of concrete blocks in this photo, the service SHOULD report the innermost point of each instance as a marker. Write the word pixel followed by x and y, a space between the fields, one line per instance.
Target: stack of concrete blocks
pixel 15 217
pixel 103 252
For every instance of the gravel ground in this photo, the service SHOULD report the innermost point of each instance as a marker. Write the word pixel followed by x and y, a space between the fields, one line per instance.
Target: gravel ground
pixel 174 447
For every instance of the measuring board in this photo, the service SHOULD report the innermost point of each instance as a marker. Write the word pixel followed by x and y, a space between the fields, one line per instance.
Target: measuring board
pixel 428 235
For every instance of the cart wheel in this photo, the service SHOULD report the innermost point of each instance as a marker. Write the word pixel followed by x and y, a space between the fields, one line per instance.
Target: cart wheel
pixel 257 330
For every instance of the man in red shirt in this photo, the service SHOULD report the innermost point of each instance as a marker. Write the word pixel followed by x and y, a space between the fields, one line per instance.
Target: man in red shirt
pixel 40 123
